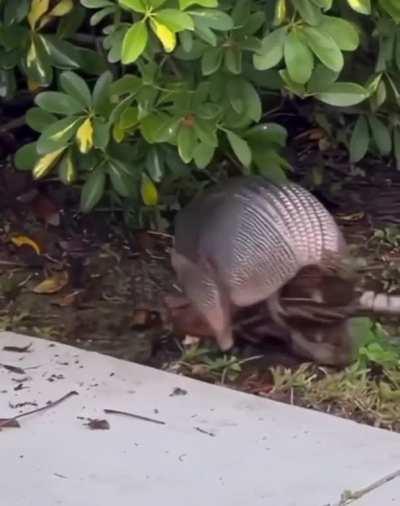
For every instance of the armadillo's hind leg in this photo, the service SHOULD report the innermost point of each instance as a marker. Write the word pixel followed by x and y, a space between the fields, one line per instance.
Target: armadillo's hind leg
pixel 207 297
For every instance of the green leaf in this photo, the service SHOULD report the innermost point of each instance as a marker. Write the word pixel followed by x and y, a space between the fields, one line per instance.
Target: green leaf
pixel 100 15
pixel 203 154
pixel 324 47
pixel 271 51
pixel 92 63
pixel 321 79
pixel 15 12
pixel 71 23
pixel 8 85
pixel 270 164
pixel 126 85
pixel 233 60
pixel 26 157
pixel 324 4
pixel 58 103
pixel 58 134
pixel 342 32
pixel 295 88
pixel 298 58
pixel 75 86
pixel 101 92
pixel 396 146
pixel 206 131
pixel 186 41
pixel 359 141
pixel 211 60
pixel 343 94
pixel 184 4
pixel 213 18
pixel 129 118
pixel 244 98
pixel 186 142
pixel 159 127
pixel 134 43
pixel 61 53
pixel 155 4
pixel 134 5
pixel 92 190
pixel 381 135
pixel 204 33
pixel 155 164
pixel 308 11
pixel 241 12
pixel 360 6
pixel 118 176
pixel 392 8
pixel 38 119
pixel 96 4
pixel 267 133
pixel 11 37
pixel 240 147
pixel 101 135
pixel 175 20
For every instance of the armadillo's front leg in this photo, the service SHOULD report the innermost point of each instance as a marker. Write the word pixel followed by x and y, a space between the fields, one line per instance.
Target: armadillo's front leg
pixel 275 309
pixel 207 296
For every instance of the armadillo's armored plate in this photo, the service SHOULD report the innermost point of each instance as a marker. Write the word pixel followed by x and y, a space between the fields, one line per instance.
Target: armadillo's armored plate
pixel 240 243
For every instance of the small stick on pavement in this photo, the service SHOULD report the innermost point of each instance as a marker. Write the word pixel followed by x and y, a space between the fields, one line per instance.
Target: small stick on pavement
pixel 49 405
pixel 132 415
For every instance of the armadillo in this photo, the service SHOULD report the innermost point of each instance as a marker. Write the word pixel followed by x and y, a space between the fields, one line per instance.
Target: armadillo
pixel 239 244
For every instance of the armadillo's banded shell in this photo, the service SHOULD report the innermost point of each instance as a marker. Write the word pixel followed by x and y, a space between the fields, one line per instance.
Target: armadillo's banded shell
pixel 257 235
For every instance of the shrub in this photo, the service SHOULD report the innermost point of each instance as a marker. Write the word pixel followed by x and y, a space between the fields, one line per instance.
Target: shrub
pixel 133 93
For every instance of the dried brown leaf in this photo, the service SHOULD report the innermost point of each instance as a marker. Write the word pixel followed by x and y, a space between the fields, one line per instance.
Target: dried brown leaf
pixel 23 240
pixel 53 284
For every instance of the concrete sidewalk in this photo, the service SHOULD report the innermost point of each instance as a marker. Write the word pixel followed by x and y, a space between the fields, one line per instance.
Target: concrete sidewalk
pixel 217 447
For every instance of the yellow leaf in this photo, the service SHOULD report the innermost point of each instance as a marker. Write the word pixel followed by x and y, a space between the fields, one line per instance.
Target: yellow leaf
pixel 33 85
pixel 361 6
pixel 23 240
pixel 62 8
pixel 118 133
pixel 32 60
pixel 164 34
pixel 44 20
pixel 84 136
pixel 52 284
pixel 280 12
pixel 38 8
pixel 44 165
pixel 67 169
pixel 70 171
pixel 31 54
pixel 148 191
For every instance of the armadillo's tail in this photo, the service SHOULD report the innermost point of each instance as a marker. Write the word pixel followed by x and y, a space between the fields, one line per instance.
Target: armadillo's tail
pixel 379 303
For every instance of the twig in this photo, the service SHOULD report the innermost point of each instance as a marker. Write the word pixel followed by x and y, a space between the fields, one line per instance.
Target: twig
pixel 49 405
pixel 132 415
pixel 349 496
pixel 11 263
pixel 13 124
pixel 160 234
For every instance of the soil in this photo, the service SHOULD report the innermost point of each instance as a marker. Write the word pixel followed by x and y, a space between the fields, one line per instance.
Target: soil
pixel 104 284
